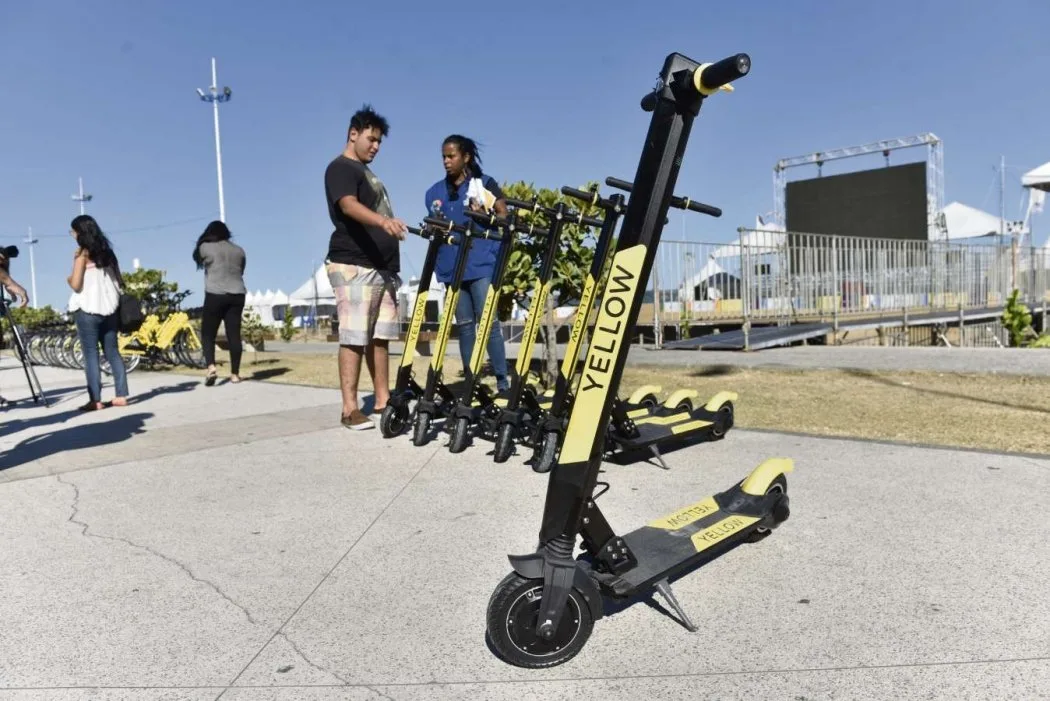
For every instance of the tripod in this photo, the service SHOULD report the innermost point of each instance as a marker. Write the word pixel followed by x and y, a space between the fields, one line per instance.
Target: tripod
pixel 20 347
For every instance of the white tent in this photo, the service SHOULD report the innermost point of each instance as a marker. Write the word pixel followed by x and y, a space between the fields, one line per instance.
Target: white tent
pixel 965 222
pixel 1037 178
pixel 764 238
pixel 1037 181
pixel 316 290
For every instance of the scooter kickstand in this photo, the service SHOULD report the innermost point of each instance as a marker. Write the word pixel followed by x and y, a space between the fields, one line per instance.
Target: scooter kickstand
pixel 665 590
pixel 659 458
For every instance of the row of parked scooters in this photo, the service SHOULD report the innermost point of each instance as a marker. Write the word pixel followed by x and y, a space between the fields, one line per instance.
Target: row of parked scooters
pixel 527 414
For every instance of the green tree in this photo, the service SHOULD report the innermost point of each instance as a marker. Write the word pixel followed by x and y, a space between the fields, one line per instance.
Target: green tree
pixel 30 318
pixel 288 328
pixel 157 296
pixel 572 262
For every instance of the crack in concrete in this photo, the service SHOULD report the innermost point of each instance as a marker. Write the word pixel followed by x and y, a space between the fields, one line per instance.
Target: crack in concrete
pixel 308 660
pixel 381 694
pixel 84 531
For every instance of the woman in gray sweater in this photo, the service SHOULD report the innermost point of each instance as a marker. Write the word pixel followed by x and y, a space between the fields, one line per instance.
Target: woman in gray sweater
pixel 223 263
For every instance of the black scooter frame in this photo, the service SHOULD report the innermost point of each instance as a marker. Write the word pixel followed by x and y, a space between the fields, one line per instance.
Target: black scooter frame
pixel 395 415
pixel 475 401
pixel 546 434
pixel 427 409
pixel 522 409
pixel 527 622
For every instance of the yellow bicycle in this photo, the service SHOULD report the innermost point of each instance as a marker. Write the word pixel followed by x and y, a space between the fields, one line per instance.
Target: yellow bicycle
pixel 172 341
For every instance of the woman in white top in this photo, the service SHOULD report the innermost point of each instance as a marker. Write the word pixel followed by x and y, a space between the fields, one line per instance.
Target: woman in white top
pixel 94 303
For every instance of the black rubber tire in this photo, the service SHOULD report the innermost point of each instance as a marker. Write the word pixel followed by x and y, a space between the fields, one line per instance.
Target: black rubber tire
pixel 684 405
pixel 727 410
pixel 649 401
pixel 779 484
pixel 421 428
pixel 392 421
pixel 504 443
pixel 504 634
pixel 546 453
pixel 460 435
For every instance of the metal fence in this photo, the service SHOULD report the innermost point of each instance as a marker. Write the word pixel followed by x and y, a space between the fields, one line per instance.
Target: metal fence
pixel 787 276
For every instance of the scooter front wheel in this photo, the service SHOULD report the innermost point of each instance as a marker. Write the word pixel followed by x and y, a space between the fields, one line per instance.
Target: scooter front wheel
pixel 460 435
pixel 392 421
pixel 511 626
pixel 504 443
pixel 422 428
pixel 547 452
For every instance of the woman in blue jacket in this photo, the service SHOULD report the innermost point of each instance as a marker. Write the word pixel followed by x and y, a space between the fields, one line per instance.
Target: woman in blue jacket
pixel 464 185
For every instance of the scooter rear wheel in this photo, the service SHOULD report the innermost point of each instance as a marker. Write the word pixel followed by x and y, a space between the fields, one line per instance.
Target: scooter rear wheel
pixel 504 443
pixel 777 485
pixel 512 615
pixel 726 414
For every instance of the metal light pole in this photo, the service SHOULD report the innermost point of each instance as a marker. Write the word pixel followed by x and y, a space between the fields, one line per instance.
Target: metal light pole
pixel 81 198
pixel 32 264
pixel 215 97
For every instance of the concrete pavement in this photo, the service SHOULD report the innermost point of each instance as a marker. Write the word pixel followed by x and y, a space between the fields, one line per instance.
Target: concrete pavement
pixel 236 542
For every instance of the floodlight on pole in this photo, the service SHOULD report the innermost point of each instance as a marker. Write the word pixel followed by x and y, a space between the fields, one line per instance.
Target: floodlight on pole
pixel 81 198
pixel 214 96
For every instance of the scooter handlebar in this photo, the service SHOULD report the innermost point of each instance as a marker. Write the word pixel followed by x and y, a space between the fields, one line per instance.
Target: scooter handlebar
pixel 522 204
pixel 493 220
pixel 676 200
pixel 570 216
pixel 709 77
pixel 444 225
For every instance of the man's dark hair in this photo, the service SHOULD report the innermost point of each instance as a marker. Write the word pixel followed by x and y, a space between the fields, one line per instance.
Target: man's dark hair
pixel 366 117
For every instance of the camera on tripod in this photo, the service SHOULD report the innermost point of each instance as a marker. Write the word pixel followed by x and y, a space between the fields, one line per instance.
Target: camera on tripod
pixel 6 254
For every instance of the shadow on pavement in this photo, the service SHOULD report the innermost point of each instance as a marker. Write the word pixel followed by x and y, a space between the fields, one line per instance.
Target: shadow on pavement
pixel 74 438
pixel 57 439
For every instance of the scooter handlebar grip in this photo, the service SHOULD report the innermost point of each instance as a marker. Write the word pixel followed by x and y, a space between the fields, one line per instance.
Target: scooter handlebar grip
pixel 590 197
pixel 709 77
pixel 522 204
pixel 444 224
pixel 702 208
pixel 485 219
pixel 589 221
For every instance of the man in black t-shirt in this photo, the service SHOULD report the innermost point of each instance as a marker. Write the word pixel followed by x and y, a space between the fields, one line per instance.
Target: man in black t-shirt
pixel 363 264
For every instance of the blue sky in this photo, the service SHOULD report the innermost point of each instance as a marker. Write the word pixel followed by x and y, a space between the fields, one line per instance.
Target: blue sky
pixel 106 91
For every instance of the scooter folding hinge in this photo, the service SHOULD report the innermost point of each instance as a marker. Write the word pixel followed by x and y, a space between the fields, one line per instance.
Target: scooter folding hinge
pixel 616 557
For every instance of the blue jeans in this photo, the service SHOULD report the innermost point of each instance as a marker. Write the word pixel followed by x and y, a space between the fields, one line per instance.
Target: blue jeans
pixel 92 328
pixel 468 314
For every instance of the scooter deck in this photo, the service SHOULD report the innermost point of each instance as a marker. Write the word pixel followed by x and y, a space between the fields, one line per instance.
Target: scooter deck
pixel 694 534
pixel 655 428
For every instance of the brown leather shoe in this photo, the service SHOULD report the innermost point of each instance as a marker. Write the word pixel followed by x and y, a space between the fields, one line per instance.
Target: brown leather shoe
pixel 356 421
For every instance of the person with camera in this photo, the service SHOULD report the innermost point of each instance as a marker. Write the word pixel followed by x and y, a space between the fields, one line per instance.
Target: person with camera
pixel 94 304
pixel 12 287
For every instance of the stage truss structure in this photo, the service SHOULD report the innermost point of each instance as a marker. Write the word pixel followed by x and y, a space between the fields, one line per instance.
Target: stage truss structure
pixel 937 230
